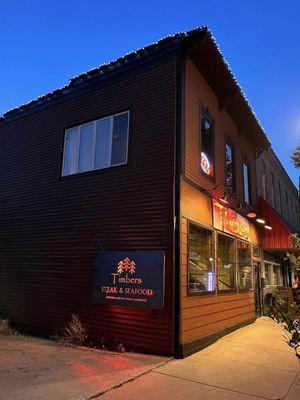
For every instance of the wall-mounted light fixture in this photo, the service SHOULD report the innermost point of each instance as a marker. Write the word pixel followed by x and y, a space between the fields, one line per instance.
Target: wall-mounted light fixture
pixel 260 220
pixel 225 198
pixel 268 226
pixel 251 214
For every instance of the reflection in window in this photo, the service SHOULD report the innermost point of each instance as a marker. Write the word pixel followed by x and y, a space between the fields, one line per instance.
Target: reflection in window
pixel 226 263
pixel 229 177
pixel 207 143
pixel 244 264
pixel 246 181
pixel 98 144
pixel 201 260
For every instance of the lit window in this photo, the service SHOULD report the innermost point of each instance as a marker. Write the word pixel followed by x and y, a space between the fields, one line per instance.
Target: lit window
pixel 98 144
pixel 207 143
pixel 246 182
pixel 244 265
pixel 201 268
pixel 229 165
pixel 226 263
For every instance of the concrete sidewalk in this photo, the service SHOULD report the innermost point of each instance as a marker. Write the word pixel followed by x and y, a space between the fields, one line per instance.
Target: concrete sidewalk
pixel 248 364
pixel 38 369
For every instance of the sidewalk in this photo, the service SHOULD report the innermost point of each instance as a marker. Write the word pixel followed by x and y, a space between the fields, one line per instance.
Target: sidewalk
pixel 250 363
pixel 39 369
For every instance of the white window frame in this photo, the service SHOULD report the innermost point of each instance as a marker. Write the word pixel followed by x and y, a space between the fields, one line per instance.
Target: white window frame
pixel 271 266
pixel 94 122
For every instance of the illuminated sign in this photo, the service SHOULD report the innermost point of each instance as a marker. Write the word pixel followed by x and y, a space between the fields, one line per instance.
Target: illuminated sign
pixel 205 164
pixel 229 221
pixel 129 278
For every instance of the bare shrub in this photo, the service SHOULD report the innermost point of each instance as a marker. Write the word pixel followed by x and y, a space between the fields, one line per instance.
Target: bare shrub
pixel 74 333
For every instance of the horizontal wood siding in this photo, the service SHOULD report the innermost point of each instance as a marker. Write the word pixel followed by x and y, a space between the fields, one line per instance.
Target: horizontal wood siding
pixel 197 94
pixel 52 227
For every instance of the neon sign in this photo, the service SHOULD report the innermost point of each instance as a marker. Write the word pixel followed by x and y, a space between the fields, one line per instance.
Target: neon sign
pixel 229 221
pixel 205 164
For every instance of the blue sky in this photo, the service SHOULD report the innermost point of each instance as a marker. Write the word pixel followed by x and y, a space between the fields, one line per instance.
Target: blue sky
pixel 44 43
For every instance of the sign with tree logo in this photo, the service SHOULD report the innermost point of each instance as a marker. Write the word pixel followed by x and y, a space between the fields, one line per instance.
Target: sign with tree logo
pixel 130 278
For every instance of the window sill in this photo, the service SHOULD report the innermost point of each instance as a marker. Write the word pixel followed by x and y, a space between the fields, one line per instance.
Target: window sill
pixel 197 294
pixel 94 171
pixel 227 291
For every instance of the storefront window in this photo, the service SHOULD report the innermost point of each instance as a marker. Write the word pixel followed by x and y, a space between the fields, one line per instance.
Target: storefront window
pixel 201 269
pixel 267 277
pixel 277 278
pixel 226 263
pixel 256 251
pixel 244 265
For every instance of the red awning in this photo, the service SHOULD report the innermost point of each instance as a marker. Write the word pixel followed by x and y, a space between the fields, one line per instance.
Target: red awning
pixel 279 237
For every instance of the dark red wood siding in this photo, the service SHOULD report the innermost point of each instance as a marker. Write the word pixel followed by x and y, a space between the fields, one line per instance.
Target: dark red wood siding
pixel 52 227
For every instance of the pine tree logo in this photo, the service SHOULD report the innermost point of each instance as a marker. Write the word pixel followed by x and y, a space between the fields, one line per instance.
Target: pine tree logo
pixel 120 268
pixel 126 265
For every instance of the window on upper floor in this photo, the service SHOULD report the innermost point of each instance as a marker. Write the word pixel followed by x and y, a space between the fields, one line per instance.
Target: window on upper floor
pixel 246 183
pixel 292 212
pixel 287 204
pixel 207 146
pixel 229 168
pixel 272 190
pixel 263 180
pixel 96 145
pixel 279 199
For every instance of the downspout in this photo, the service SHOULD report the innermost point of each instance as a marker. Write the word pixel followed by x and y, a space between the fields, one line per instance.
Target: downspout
pixel 180 72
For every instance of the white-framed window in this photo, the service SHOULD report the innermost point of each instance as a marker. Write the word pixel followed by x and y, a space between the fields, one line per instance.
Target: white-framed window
pixel 96 145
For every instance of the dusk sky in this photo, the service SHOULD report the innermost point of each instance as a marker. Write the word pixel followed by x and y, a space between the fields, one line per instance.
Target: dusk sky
pixel 45 43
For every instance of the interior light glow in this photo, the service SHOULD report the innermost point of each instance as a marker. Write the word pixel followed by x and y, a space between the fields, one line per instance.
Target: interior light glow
pixel 260 220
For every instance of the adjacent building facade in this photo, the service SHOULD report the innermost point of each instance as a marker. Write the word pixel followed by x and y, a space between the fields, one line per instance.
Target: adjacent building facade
pixel 279 201
pixel 128 198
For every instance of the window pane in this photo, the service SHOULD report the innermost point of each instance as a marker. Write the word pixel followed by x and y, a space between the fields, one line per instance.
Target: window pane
pixel 277 277
pixel 226 263
pixel 207 155
pixel 86 157
pixel 201 260
pixel 229 168
pixel 245 266
pixel 103 143
pixel 120 138
pixel 71 151
pixel 267 278
pixel 246 183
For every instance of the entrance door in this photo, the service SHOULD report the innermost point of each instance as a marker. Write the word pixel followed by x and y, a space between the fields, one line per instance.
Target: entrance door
pixel 257 288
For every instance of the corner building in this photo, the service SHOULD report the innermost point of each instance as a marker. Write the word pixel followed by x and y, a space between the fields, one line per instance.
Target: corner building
pixel 127 198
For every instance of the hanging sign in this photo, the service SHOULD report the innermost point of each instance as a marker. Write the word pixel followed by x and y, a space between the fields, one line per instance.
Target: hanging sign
pixel 130 278
pixel 229 221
